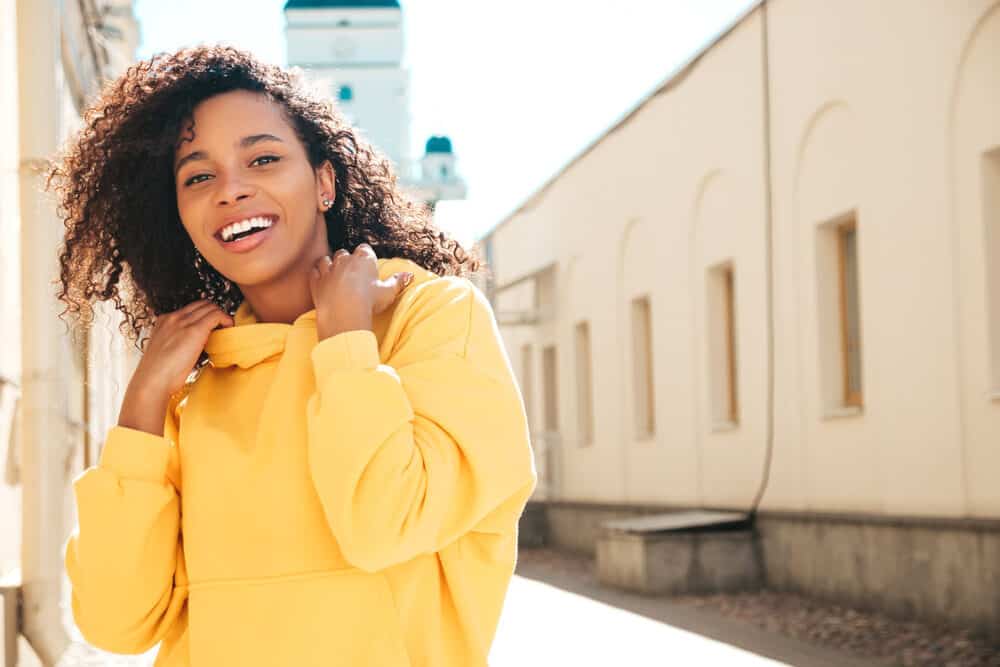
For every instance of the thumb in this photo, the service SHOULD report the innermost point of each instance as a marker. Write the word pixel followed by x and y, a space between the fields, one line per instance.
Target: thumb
pixel 391 287
pixel 403 279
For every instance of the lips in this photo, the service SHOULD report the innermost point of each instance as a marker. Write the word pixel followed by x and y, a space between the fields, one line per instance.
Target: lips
pixel 248 243
pixel 233 220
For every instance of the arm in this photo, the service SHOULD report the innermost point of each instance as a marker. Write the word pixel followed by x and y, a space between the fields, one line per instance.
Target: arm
pixel 126 560
pixel 406 458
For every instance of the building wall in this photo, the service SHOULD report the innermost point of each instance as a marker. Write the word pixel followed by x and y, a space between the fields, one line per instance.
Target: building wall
pixel 883 110
pixel 10 285
pixel 85 411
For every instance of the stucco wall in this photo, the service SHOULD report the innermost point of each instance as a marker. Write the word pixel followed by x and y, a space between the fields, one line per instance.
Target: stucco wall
pixel 879 110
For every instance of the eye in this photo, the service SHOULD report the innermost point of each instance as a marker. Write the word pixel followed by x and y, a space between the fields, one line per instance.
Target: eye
pixel 270 158
pixel 275 158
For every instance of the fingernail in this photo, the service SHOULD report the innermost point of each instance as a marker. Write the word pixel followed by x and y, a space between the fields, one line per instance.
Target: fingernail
pixel 407 277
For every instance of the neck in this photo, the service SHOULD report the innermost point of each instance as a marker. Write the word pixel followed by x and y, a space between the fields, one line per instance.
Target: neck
pixel 281 301
pixel 288 296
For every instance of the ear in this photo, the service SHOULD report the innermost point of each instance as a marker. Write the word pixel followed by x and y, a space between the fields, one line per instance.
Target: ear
pixel 326 184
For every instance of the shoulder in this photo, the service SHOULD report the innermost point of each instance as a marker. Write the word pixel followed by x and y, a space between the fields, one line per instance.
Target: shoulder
pixel 427 287
pixel 435 308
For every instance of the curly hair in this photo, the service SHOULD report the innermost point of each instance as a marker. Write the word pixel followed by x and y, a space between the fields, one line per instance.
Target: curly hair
pixel 116 173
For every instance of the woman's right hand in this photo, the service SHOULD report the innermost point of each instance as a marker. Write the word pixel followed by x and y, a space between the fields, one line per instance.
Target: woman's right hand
pixel 175 343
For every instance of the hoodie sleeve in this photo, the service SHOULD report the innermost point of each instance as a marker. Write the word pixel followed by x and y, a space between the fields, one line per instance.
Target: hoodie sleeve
pixel 409 455
pixel 125 560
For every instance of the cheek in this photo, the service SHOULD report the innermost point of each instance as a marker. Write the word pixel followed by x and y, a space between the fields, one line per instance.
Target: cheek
pixel 191 215
pixel 191 223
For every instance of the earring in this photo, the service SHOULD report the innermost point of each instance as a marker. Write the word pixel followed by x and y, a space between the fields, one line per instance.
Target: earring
pixel 327 202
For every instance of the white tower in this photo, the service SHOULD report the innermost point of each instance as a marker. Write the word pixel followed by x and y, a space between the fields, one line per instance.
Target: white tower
pixel 354 49
pixel 438 176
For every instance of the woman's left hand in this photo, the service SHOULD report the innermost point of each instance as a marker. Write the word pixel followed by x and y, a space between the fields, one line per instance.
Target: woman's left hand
pixel 347 292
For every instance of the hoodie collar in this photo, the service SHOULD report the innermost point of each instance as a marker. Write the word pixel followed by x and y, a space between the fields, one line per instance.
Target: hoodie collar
pixel 250 342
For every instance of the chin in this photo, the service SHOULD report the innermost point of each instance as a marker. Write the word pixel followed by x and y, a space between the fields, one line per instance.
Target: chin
pixel 256 272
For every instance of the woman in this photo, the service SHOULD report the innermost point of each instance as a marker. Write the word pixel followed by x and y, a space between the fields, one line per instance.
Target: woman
pixel 339 480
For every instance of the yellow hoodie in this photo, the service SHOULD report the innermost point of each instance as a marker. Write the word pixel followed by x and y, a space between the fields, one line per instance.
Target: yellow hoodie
pixel 348 502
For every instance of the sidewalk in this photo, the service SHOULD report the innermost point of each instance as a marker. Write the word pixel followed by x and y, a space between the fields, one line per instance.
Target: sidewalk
pixel 573 575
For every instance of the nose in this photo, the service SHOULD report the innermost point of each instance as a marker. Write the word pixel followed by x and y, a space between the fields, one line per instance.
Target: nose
pixel 231 189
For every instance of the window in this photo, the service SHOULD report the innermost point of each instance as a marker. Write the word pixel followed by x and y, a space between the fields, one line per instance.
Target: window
pixel 550 375
pixel 527 382
pixel 849 312
pixel 584 391
pixel 444 172
pixel 991 221
pixel 345 94
pixel 642 368
pixel 839 316
pixel 722 348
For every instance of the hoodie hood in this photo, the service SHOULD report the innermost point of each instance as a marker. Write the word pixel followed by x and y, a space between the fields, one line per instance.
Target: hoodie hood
pixel 250 342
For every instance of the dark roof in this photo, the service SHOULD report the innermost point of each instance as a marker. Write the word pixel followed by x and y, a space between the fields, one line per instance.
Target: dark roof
pixel 438 145
pixel 324 4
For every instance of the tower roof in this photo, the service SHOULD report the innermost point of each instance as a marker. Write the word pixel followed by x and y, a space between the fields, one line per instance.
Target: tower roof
pixel 438 144
pixel 346 4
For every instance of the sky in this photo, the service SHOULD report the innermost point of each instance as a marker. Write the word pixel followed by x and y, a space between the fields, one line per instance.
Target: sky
pixel 520 86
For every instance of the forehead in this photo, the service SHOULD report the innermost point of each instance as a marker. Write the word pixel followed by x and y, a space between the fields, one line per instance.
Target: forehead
pixel 225 118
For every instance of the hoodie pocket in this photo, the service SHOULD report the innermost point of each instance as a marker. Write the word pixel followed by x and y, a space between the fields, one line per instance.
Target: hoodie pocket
pixel 344 617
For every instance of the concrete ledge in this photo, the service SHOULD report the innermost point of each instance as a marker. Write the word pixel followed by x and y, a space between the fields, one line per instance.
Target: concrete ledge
pixel 533 527
pixel 940 573
pixel 681 562
pixel 934 569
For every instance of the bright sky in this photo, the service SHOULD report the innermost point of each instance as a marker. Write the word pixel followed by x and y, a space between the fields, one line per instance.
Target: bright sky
pixel 520 86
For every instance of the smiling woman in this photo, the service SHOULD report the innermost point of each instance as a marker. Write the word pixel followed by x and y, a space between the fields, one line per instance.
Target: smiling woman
pixel 185 131
pixel 340 480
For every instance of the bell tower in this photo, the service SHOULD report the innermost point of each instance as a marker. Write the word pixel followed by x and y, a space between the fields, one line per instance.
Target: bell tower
pixel 354 50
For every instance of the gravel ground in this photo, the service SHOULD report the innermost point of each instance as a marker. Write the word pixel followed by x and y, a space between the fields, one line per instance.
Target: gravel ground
pixel 862 634
pixel 865 634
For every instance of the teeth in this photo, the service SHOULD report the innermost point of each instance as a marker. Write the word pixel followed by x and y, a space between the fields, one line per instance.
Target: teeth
pixel 244 225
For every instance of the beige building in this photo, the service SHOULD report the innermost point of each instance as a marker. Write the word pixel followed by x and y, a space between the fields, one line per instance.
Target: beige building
pixel 778 277
pixel 58 395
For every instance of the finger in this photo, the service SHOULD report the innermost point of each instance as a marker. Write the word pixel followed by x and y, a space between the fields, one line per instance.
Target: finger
pixel 189 307
pixel 364 249
pixel 390 288
pixel 197 312
pixel 401 280
pixel 213 319
pixel 341 252
pixel 321 265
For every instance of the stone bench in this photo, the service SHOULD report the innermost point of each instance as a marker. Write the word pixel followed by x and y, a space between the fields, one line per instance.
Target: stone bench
pixel 680 552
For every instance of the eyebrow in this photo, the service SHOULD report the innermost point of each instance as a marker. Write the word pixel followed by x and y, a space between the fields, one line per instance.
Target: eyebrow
pixel 245 142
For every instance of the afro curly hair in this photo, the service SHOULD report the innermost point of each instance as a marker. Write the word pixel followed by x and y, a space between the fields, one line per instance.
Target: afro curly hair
pixel 114 182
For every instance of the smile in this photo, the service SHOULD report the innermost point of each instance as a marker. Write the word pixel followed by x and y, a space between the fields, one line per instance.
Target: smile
pixel 246 234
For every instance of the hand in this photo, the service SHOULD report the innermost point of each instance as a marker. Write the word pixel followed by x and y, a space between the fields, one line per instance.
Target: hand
pixel 347 292
pixel 177 340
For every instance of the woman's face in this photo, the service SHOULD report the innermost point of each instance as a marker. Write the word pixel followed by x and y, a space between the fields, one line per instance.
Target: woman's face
pixel 241 162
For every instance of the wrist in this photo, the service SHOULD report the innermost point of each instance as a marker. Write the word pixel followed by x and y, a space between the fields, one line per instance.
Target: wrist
pixel 148 390
pixel 329 327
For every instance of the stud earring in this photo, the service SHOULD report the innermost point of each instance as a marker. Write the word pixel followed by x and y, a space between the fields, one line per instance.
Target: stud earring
pixel 327 202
